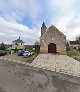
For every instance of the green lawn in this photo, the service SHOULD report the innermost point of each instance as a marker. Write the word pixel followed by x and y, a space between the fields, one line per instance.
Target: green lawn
pixel 74 54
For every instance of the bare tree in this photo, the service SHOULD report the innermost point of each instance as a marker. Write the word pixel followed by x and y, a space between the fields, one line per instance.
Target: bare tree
pixel 37 43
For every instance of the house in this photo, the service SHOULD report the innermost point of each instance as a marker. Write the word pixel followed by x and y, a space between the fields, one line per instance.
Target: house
pixel 18 44
pixel 52 40
pixel 75 45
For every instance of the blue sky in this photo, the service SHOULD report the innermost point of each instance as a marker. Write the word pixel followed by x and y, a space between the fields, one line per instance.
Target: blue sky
pixel 24 18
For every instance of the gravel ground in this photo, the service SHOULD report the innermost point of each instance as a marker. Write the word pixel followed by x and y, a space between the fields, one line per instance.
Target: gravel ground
pixel 58 63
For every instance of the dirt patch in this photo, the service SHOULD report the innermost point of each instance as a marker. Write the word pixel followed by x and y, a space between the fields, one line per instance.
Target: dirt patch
pixel 15 57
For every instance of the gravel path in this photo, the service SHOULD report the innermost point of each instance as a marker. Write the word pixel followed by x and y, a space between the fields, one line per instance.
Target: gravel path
pixel 59 63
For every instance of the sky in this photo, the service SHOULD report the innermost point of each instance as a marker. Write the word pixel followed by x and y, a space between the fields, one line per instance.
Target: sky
pixel 24 18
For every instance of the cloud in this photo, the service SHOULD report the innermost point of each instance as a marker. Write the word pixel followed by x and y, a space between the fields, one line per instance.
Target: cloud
pixel 12 13
pixel 15 16
pixel 66 17
pixel 12 30
pixel 17 9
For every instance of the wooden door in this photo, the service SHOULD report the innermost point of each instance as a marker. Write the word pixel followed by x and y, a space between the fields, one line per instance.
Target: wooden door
pixel 52 48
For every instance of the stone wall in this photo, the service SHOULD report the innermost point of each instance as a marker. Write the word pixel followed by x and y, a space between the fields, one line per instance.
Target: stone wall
pixel 53 36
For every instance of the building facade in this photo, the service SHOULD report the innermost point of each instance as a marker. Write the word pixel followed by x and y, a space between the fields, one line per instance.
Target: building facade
pixel 52 40
pixel 18 44
pixel 75 45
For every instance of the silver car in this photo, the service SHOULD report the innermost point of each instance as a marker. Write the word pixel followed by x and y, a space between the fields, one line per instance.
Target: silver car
pixel 26 54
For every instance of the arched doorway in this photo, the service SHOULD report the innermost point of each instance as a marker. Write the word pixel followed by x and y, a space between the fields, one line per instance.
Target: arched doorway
pixel 52 48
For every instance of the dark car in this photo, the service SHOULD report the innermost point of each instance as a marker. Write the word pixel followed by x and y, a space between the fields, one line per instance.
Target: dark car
pixel 20 52
pixel 2 52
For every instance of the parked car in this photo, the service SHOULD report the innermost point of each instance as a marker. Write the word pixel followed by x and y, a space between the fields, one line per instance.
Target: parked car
pixel 2 52
pixel 21 52
pixel 26 54
pixel 31 52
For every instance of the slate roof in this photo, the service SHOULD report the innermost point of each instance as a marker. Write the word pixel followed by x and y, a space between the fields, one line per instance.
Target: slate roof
pixel 74 42
pixel 18 40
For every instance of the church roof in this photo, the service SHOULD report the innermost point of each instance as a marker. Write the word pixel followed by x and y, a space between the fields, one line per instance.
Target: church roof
pixel 54 28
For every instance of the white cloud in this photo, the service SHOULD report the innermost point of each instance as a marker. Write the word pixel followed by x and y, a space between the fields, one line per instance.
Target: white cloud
pixel 64 14
pixel 12 11
pixel 70 26
pixel 12 30
pixel 17 9
pixel 66 17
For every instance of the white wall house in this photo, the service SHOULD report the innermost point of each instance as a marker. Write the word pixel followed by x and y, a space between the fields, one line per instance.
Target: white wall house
pixel 18 44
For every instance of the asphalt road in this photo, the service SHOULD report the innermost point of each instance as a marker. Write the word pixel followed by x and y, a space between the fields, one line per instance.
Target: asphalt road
pixel 21 78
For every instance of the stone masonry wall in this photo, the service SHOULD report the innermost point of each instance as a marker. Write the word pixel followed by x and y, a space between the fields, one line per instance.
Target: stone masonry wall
pixel 53 36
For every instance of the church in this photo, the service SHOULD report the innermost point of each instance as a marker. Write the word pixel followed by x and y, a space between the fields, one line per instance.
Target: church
pixel 52 40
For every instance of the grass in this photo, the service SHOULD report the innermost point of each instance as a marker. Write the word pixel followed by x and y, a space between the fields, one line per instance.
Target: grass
pixel 74 54
pixel 31 58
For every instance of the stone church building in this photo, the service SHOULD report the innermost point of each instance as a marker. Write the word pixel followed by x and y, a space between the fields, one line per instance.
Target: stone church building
pixel 52 40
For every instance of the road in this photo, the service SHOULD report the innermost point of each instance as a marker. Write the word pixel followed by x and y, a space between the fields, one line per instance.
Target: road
pixel 21 78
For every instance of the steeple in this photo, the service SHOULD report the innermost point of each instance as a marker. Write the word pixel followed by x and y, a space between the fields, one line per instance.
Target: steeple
pixel 43 28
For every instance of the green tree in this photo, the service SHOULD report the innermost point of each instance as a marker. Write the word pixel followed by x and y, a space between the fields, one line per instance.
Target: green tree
pixel 37 47
pixel 2 46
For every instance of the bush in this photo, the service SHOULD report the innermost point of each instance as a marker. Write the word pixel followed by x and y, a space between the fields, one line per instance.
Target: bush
pixel 37 50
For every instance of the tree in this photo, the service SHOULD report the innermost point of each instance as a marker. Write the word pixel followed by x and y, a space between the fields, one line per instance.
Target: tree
pixel 37 43
pixel 67 46
pixel 37 46
pixel 2 46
